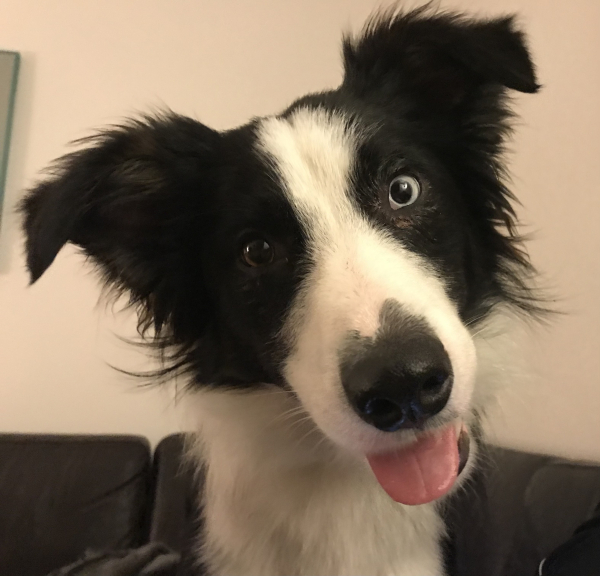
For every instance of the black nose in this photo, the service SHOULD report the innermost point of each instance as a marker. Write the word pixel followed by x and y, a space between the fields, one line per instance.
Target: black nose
pixel 397 384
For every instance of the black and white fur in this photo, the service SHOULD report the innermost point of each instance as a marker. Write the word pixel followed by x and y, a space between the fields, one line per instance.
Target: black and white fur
pixel 166 208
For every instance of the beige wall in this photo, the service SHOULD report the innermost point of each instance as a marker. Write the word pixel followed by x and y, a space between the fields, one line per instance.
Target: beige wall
pixel 88 63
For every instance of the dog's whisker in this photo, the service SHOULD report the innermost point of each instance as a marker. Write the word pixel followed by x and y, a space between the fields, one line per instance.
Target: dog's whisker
pixel 298 423
pixel 313 430
pixel 290 414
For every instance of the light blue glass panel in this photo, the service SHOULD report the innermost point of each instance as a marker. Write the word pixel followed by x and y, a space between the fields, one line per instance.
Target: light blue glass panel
pixel 9 69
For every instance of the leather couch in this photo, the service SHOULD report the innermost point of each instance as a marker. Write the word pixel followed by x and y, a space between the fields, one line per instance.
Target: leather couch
pixel 61 496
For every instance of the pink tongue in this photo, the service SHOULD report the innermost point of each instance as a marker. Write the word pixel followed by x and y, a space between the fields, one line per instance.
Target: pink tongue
pixel 421 472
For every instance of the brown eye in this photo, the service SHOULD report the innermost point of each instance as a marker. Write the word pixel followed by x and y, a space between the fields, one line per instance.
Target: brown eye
pixel 403 191
pixel 258 253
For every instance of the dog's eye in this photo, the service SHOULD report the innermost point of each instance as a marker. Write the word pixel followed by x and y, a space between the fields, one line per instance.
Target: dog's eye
pixel 404 190
pixel 258 252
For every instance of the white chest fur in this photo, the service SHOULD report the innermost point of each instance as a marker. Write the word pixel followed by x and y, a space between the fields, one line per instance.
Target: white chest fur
pixel 317 524
pixel 272 509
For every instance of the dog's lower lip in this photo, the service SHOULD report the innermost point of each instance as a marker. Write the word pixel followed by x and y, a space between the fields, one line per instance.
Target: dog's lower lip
pixel 464 448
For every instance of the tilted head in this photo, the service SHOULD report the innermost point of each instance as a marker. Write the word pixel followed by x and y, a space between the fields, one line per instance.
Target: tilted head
pixel 340 250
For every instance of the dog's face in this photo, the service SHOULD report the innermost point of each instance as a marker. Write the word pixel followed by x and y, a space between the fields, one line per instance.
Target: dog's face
pixel 340 250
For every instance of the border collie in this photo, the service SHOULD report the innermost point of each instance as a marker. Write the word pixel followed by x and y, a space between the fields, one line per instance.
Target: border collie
pixel 321 278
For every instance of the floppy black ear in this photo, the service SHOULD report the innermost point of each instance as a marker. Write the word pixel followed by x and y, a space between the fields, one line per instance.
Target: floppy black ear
pixel 132 199
pixel 441 57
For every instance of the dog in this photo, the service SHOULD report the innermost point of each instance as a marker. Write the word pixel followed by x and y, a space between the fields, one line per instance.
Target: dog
pixel 321 279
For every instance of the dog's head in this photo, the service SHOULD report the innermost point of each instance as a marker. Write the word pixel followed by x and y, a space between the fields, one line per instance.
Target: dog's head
pixel 340 250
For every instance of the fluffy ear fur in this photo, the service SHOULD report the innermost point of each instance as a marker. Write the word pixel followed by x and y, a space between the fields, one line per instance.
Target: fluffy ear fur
pixel 442 58
pixel 132 199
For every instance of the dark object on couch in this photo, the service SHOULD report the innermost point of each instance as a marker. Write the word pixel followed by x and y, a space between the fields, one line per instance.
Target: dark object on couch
pixel 62 496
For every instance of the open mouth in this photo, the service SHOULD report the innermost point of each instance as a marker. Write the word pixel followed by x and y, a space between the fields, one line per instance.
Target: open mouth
pixel 426 469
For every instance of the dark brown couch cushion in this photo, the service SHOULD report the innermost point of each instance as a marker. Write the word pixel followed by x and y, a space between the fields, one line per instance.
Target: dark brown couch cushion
pixel 63 495
pixel 517 508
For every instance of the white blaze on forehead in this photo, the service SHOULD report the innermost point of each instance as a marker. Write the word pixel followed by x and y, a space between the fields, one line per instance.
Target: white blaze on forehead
pixel 357 266
pixel 313 151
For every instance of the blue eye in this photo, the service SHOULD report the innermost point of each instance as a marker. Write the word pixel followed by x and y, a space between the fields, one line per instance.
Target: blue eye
pixel 404 190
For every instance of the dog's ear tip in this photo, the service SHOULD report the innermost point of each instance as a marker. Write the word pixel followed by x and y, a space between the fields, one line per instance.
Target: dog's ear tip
pixel 35 273
pixel 46 226
pixel 38 258
pixel 35 269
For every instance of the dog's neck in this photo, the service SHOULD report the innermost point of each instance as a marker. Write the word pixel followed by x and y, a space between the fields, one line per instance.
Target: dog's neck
pixel 281 499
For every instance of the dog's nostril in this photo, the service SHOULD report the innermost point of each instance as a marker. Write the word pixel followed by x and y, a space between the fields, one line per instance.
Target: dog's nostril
pixel 385 414
pixel 434 391
pixel 379 407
